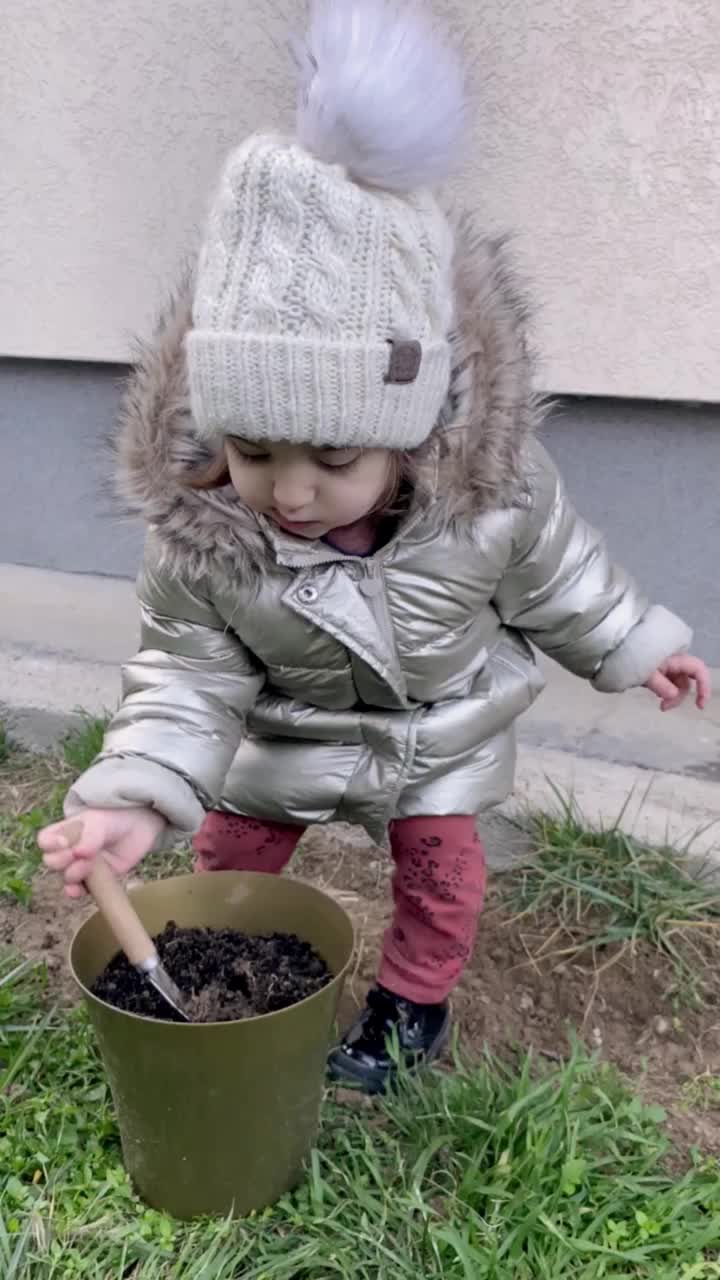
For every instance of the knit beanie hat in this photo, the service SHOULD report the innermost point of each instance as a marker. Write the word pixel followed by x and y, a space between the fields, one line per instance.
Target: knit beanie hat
pixel 324 298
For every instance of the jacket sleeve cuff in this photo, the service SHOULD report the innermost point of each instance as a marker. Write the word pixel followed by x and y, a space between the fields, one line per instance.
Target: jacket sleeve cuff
pixel 122 782
pixel 658 635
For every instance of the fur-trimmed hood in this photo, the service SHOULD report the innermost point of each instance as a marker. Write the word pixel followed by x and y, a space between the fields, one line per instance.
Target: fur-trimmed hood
pixel 471 464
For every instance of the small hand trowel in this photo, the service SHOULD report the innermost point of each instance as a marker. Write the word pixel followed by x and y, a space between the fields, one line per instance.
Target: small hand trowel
pixel 131 934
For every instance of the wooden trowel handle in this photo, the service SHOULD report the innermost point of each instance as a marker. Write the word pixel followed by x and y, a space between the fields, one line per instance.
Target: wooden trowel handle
pixel 120 914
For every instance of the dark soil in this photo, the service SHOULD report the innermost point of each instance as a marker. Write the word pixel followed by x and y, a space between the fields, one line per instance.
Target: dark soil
pixel 224 974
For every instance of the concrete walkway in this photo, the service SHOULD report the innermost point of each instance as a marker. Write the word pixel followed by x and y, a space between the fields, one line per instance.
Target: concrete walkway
pixel 63 636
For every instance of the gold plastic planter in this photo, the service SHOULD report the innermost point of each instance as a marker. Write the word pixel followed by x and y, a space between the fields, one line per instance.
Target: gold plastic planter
pixel 219 1117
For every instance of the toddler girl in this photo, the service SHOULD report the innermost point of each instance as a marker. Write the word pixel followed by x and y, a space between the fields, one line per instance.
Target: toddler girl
pixel 354 537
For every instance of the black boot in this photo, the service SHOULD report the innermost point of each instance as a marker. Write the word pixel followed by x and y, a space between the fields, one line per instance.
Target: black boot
pixel 365 1054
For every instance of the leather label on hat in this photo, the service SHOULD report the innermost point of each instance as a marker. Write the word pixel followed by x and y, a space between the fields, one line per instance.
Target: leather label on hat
pixel 405 361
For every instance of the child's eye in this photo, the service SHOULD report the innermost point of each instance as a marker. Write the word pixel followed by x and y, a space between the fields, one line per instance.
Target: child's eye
pixel 244 451
pixel 249 457
pixel 338 466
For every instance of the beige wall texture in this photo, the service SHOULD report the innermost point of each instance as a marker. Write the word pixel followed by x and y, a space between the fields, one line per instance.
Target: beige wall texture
pixel 596 140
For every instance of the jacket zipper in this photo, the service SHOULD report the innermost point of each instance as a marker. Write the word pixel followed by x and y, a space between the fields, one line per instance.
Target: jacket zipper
pixel 377 598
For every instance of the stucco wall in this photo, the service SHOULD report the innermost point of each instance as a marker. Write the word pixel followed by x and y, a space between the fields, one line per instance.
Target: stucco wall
pixel 597 139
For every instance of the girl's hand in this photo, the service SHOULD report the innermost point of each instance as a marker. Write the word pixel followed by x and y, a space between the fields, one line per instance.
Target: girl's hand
pixel 123 835
pixel 672 682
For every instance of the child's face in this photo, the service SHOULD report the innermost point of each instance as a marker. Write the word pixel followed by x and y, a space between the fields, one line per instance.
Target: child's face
pixel 308 491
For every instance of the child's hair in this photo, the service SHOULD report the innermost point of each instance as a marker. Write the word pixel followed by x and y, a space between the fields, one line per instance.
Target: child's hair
pixel 393 501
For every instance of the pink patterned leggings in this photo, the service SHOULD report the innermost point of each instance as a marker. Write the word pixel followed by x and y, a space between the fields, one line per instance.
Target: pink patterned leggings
pixel 438 890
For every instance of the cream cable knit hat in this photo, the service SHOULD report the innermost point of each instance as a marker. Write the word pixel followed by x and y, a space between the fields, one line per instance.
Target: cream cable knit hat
pixel 324 291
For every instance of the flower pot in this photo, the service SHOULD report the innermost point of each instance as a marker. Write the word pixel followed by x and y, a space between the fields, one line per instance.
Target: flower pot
pixel 219 1117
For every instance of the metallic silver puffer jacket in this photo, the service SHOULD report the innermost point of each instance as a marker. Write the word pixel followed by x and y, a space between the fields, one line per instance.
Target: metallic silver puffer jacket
pixel 287 680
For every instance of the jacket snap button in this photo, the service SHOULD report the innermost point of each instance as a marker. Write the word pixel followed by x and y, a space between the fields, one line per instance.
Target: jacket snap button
pixel 308 595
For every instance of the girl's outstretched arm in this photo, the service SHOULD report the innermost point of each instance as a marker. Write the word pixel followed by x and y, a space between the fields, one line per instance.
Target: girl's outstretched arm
pixel 563 591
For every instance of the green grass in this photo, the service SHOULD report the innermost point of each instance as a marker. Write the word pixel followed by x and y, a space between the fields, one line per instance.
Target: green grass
pixel 80 747
pixel 702 1093
pixel 32 789
pixel 177 861
pixel 22 994
pixel 19 854
pixel 7 746
pixel 490 1173
pixel 522 1171
pixel 607 891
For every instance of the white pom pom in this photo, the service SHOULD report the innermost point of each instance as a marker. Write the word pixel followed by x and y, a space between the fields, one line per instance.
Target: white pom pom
pixel 380 93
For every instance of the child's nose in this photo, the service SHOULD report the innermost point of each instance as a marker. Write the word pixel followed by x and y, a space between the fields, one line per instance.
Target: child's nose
pixel 292 490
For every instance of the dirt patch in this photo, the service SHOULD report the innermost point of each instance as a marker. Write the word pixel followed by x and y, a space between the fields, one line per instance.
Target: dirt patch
pixel 225 974
pixel 508 1003
pixel 510 997
pixel 621 1004
pixel 42 931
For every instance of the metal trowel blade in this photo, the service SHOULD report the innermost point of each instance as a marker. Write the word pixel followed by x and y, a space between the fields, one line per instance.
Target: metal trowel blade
pixel 165 987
